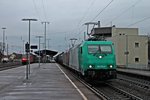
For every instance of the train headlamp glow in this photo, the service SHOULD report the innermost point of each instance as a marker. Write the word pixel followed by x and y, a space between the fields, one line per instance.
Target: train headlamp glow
pixel 100 57
pixel 90 66
pixel 110 66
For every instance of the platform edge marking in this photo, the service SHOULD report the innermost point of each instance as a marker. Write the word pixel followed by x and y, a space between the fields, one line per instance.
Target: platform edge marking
pixel 83 96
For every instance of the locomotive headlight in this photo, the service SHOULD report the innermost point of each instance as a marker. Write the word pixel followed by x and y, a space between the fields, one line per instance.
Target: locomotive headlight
pixel 90 66
pixel 110 66
pixel 100 57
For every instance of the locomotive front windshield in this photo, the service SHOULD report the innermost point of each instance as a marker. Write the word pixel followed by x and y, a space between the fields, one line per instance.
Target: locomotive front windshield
pixel 101 49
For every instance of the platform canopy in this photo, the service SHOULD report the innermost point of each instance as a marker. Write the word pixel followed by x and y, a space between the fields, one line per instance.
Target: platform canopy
pixel 48 52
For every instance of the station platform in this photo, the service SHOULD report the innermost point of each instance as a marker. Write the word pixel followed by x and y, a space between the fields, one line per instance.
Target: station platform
pixel 47 82
pixel 135 71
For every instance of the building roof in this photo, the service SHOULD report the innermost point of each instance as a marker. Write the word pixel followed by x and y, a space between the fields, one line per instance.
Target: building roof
pixel 48 52
pixel 102 31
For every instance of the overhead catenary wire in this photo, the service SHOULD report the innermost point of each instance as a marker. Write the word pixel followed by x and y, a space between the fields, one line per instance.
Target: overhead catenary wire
pixel 80 23
pixel 126 10
pixel 97 14
pixel 86 12
pixel 146 18
pixel 102 10
pixel 36 10
pixel 91 4
pixel 44 11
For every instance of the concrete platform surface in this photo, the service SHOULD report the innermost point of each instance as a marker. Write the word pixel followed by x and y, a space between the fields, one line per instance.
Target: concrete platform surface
pixel 135 71
pixel 45 83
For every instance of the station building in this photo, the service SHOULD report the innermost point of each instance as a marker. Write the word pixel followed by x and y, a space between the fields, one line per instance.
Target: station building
pixel 131 48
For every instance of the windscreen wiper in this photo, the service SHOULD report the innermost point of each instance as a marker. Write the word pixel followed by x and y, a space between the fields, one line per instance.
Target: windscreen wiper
pixel 98 51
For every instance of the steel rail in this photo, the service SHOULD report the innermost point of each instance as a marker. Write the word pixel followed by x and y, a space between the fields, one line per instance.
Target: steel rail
pixel 9 66
pixel 136 83
pixel 131 96
pixel 98 91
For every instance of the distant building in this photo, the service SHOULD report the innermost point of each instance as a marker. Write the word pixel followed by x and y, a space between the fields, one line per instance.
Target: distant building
pixel 131 48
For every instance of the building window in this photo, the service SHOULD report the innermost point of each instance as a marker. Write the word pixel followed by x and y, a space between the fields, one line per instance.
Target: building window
pixel 136 45
pixel 136 59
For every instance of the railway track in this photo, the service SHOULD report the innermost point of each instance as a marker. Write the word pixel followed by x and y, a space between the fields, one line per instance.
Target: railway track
pixel 5 66
pixel 143 84
pixel 122 88
pixel 115 93
pixel 106 91
pixel 138 87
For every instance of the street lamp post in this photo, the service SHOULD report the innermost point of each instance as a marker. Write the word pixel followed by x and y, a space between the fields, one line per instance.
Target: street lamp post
pixel 39 48
pixel 48 43
pixel 45 37
pixel 28 54
pixel 3 40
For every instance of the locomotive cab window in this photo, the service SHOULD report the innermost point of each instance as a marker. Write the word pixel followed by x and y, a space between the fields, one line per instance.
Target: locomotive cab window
pixel 93 48
pixel 106 49
pixel 100 49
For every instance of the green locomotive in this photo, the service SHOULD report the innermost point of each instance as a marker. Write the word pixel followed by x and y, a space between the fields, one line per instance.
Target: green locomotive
pixel 92 59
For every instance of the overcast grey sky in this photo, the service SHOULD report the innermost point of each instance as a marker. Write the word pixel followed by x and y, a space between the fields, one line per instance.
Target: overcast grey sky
pixel 67 17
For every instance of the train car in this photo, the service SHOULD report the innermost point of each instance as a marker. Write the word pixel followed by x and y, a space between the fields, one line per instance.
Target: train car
pixel 92 59
pixel 33 59
pixel 24 60
pixel 59 58
pixel 65 59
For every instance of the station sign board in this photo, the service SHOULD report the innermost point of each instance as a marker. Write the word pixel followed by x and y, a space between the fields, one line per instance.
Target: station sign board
pixel 34 46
